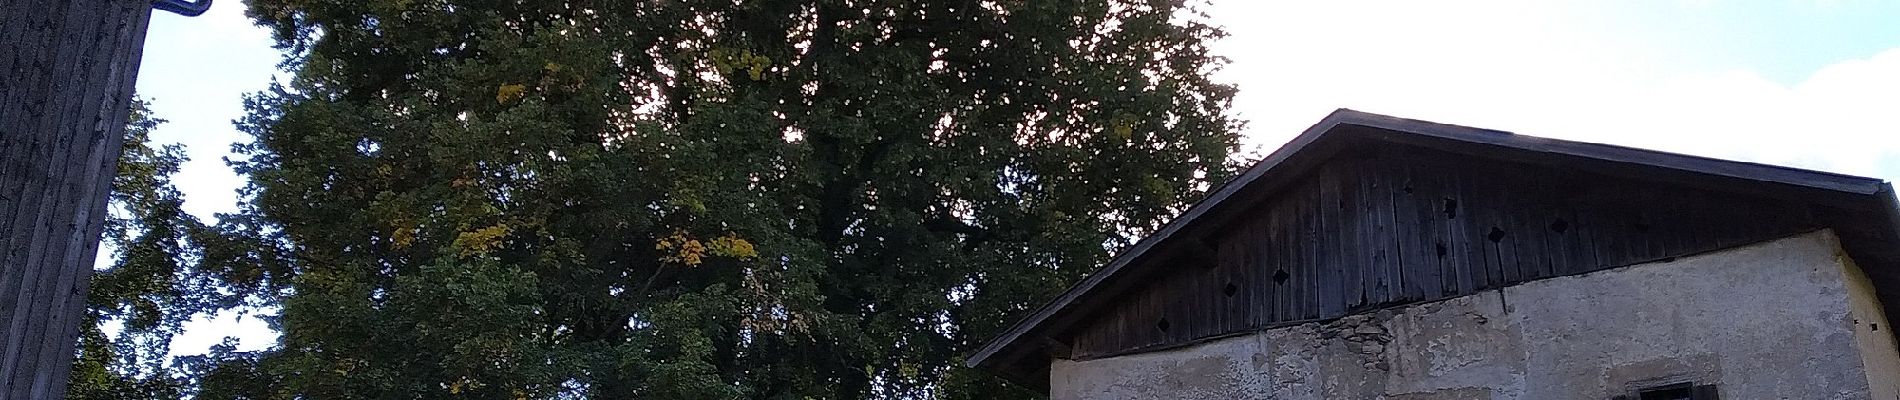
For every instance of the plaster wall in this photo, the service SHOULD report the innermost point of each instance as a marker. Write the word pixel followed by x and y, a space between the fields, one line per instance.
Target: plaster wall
pixel 1872 334
pixel 1785 319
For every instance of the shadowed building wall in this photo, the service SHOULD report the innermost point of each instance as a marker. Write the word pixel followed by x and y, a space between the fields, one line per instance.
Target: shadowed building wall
pixel 1379 257
pixel 1787 318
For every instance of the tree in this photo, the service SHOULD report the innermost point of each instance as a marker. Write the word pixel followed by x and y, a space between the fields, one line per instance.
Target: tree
pixel 702 199
pixel 167 267
pixel 145 231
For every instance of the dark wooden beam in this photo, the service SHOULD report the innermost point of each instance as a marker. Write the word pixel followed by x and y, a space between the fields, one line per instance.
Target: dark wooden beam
pixel 1200 253
pixel 1137 252
pixel 1056 348
pixel 64 100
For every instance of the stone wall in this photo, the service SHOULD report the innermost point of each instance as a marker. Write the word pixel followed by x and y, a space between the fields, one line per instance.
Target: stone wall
pixel 1873 334
pixel 1791 318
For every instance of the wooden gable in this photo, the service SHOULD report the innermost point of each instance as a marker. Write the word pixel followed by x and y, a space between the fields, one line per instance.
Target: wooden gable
pixel 1378 226
pixel 1365 211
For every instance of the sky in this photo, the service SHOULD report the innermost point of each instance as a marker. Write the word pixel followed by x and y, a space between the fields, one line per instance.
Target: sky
pixel 1806 83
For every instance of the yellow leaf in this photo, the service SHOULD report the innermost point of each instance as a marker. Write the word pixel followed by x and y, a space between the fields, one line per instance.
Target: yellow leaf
pixel 463 384
pixel 692 252
pixel 481 241
pixel 402 237
pixel 1122 126
pixel 733 247
pixel 678 248
pixel 683 249
pixel 757 65
pixel 510 92
pixel 720 60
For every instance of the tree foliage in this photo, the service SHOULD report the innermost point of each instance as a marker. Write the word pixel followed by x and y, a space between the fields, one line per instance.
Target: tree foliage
pixel 166 268
pixel 699 199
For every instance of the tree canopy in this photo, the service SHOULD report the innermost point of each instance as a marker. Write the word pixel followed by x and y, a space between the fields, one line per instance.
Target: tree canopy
pixel 166 268
pixel 697 199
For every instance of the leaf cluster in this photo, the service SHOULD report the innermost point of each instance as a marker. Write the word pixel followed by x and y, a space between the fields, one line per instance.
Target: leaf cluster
pixel 698 199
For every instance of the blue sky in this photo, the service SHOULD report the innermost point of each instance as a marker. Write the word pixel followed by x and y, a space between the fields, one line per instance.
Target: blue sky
pixel 1805 83
pixel 1808 83
pixel 1784 41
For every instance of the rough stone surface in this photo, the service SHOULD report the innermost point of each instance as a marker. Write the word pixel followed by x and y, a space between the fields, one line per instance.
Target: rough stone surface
pixel 1873 334
pixel 1786 319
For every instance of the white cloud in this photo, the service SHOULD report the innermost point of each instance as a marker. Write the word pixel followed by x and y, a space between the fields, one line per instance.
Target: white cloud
pixel 196 71
pixel 1546 71
pixel 202 332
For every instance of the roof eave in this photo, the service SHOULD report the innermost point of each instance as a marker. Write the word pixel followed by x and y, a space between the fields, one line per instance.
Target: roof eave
pixel 1858 189
pixel 1141 248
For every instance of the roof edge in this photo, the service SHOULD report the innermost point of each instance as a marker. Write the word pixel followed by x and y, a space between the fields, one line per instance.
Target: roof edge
pixel 1114 266
pixel 1748 171
pixel 1621 154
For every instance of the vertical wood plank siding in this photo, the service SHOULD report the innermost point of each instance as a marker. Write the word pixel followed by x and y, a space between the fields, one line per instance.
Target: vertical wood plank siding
pixel 1387 225
pixel 66 71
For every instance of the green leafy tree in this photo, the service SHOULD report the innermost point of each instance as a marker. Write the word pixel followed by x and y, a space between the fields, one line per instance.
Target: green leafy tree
pixel 701 199
pixel 146 232
pixel 166 268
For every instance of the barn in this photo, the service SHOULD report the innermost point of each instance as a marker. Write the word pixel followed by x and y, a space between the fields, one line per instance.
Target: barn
pixel 1380 257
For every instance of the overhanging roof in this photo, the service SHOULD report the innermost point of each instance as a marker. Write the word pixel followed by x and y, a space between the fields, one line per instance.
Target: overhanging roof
pixel 1866 214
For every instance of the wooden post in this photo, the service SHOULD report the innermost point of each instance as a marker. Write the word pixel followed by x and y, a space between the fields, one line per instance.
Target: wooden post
pixel 66 72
